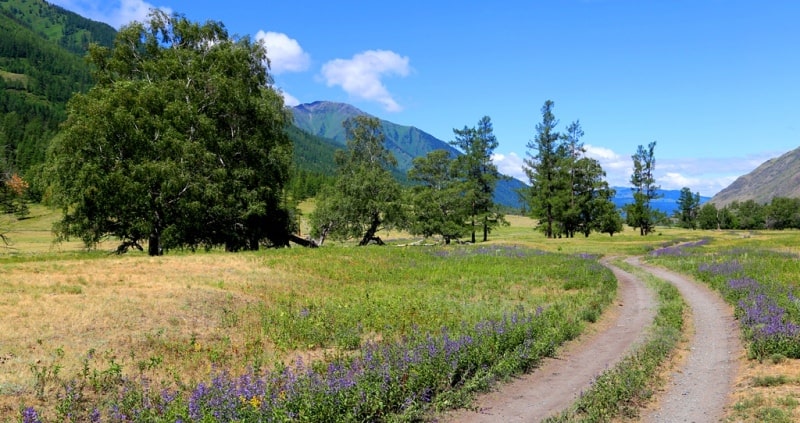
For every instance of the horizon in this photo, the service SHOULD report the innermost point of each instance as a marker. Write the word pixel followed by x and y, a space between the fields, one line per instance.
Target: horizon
pixel 711 81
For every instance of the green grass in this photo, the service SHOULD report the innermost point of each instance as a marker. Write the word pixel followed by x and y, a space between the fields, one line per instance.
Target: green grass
pixel 620 392
pixel 267 307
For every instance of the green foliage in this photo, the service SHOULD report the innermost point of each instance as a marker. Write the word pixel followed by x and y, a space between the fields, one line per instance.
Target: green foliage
pixel 708 217
pixel 181 143
pixel 365 198
pixel 438 205
pixel 640 214
pixel 568 193
pixel 541 166
pixel 783 213
pixel 688 208
pixel 479 175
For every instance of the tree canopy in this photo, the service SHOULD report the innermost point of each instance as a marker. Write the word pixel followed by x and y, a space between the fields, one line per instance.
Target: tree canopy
pixel 365 198
pixel 479 174
pixel 181 142
pixel 640 214
pixel 568 192
pixel 438 206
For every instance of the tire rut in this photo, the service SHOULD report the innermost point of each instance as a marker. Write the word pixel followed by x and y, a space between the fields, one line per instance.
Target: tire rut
pixel 557 382
pixel 700 390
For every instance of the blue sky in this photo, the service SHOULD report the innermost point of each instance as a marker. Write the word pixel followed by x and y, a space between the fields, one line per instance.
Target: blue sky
pixel 714 82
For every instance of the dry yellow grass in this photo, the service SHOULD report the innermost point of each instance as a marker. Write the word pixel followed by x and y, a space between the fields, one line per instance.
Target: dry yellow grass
pixel 752 402
pixel 178 308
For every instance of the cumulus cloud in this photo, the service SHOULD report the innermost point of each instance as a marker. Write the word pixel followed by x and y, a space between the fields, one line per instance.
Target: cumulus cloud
pixel 285 54
pixel 115 13
pixel 510 164
pixel 289 100
pixel 361 76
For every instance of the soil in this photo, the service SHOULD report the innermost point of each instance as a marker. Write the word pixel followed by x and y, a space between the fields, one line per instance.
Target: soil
pixel 698 389
pixel 701 389
pixel 557 382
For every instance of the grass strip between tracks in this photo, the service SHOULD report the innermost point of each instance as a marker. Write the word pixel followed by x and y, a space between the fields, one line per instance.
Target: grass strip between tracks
pixel 623 390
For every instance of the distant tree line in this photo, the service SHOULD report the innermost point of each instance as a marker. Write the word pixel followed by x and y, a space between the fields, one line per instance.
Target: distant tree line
pixel 781 213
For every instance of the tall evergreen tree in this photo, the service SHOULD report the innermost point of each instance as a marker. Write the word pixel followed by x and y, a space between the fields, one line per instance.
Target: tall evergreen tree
pixel 181 142
pixel 544 173
pixel 480 174
pixel 640 214
pixel 688 208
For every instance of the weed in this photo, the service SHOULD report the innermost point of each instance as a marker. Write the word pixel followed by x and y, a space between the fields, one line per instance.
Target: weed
pixel 46 373
pixel 766 381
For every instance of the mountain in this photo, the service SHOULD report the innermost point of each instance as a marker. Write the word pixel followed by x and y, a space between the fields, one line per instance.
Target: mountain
pixel 668 203
pixel 41 67
pixel 324 119
pixel 778 177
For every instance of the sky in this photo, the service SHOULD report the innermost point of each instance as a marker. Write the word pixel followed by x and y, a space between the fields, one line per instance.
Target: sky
pixel 715 83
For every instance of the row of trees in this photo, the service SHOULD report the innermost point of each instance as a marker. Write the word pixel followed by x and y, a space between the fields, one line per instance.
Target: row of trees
pixel 780 213
pixel 451 198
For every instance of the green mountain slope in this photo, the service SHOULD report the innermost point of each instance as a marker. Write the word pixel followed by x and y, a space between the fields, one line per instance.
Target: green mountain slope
pixel 41 66
pixel 778 177
pixel 66 29
pixel 324 119
pixel 313 153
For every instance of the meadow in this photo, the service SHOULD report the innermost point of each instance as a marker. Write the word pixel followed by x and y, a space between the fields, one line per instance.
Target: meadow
pixel 338 333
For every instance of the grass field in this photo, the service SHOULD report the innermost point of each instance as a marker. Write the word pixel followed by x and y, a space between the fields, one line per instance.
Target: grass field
pixel 175 320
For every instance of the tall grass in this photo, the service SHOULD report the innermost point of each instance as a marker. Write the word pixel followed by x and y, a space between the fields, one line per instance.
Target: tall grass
pixel 760 283
pixel 307 334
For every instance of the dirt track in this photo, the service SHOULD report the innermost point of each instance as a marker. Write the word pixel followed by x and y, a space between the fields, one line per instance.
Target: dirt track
pixel 701 388
pixel 697 392
pixel 556 384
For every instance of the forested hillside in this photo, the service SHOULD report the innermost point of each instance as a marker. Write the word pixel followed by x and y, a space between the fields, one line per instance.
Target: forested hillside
pixel 41 66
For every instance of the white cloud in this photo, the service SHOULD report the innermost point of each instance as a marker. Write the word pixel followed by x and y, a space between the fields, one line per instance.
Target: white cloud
pixel 361 75
pixel 285 54
pixel 114 13
pixel 510 165
pixel 289 100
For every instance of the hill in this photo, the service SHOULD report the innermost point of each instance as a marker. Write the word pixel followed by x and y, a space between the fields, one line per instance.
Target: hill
pixel 778 177
pixel 324 119
pixel 41 66
pixel 668 202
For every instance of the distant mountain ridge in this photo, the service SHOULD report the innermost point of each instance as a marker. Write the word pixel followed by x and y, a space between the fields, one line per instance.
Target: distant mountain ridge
pixel 667 203
pixel 777 177
pixel 324 119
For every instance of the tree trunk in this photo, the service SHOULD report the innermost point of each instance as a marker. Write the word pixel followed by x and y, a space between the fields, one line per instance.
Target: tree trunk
pixel 473 229
pixel 485 231
pixel 154 244
pixel 373 228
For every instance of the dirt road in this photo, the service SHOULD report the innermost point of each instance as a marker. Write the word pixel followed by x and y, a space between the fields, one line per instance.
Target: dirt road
pixel 696 392
pixel 556 384
pixel 701 388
